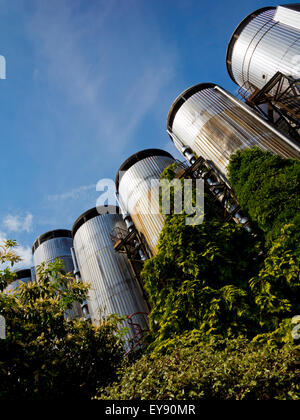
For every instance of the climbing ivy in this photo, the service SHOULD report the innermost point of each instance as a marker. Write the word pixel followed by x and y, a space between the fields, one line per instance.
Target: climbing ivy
pixel 219 280
pixel 267 187
pixel 223 299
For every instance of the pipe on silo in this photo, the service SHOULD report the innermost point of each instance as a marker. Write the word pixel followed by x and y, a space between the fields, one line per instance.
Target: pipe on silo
pixel 113 289
pixel 125 215
pixel 137 184
pixel 214 124
pixel 53 245
pixel 264 43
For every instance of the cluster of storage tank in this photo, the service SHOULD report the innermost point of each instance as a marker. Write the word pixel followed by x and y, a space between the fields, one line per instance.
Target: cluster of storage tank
pixel 212 122
pixel 205 120
pixel 88 250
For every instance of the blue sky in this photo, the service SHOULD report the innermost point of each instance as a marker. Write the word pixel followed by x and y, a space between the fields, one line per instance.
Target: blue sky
pixel 88 83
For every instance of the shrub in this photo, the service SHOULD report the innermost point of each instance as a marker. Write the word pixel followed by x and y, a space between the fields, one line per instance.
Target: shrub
pixel 45 355
pixel 267 187
pixel 226 370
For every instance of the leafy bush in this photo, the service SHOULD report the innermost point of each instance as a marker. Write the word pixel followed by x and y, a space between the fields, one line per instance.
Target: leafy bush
pixel 276 287
pixel 215 277
pixel 199 280
pixel 267 187
pixel 45 355
pixel 213 287
pixel 7 256
pixel 226 370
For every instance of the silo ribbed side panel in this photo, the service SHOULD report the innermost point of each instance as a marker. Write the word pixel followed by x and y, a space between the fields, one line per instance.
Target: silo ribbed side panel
pixel 112 287
pixel 140 200
pixel 12 287
pixel 53 249
pixel 214 126
pixel 264 47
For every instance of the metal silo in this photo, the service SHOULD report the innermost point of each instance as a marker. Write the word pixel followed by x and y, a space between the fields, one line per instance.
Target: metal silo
pixel 267 41
pixel 51 246
pixel 137 184
pixel 113 288
pixel 263 58
pixel 23 276
pixel 214 124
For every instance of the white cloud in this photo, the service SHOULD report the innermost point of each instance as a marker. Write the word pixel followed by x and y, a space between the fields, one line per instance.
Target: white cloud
pixel 24 252
pixel 18 223
pixel 74 194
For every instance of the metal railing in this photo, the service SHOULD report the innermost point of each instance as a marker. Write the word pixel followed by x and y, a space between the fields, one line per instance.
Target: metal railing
pixel 139 330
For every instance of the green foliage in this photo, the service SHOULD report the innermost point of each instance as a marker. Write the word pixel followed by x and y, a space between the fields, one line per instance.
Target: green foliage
pixel 221 304
pixel 169 174
pixel 199 280
pixel 214 278
pixel 267 187
pixel 276 287
pixel 220 325
pixel 7 255
pixel 47 356
pixel 225 370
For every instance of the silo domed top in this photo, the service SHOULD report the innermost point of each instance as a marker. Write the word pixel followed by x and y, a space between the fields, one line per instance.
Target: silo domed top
pixel 23 274
pixel 91 213
pixel 58 233
pixel 184 96
pixel 136 157
pixel 236 34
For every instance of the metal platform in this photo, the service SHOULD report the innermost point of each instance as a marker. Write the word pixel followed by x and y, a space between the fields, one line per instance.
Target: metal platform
pixel 133 245
pixel 278 102
pixel 220 191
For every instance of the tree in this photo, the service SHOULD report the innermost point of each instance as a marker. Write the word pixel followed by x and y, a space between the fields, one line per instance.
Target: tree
pixel 199 278
pixel 217 279
pixel 276 287
pixel 222 302
pixel 267 187
pixel 7 256
pixel 47 356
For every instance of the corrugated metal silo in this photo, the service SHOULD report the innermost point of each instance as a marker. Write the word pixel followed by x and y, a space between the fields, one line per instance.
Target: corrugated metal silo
pixel 214 124
pixel 23 276
pixel 134 180
pixel 267 41
pixel 51 246
pixel 113 288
